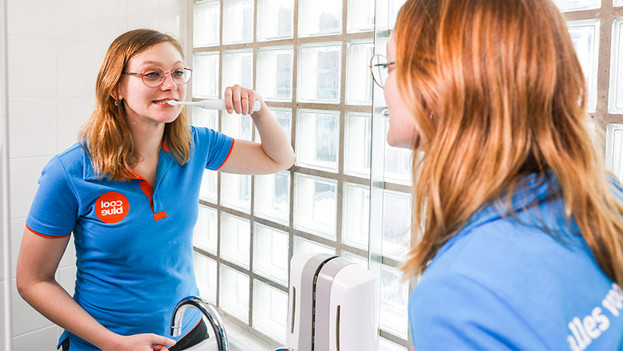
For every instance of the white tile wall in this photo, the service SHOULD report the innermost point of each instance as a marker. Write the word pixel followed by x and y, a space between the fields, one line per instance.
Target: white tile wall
pixel 55 49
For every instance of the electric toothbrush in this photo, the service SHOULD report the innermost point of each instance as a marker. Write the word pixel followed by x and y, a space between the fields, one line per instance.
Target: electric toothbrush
pixel 209 104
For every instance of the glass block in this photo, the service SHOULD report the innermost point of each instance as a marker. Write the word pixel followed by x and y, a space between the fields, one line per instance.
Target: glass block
pixel 208 190
pixel 386 15
pixel 319 17
pixel 397 217
pixel 206 24
pixel 272 197
pixel 235 239
pixel 238 21
pixel 275 72
pixel 355 215
pixel 301 245
pixel 398 165
pixel 205 79
pixel 357 259
pixel 387 345
pixel 315 205
pixel 357 151
pixel 275 19
pixel 394 298
pixel 359 80
pixel 361 16
pixel 205 118
pixel 236 191
pixel 319 73
pixel 237 68
pixel 614 149
pixel 575 5
pixel 271 253
pixel 585 37
pixel 616 81
pixel 234 293
pixel 237 126
pixel 206 276
pixel 270 311
pixel 205 235
pixel 317 140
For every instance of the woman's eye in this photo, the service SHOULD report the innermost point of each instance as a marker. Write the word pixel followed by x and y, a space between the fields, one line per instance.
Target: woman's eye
pixel 152 75
pixel 178 73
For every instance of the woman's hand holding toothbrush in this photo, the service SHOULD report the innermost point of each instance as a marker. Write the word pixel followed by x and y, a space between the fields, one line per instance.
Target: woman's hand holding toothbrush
pixel 241 100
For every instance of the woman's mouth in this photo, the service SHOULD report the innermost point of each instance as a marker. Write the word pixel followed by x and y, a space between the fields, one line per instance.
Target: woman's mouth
pixel 162 102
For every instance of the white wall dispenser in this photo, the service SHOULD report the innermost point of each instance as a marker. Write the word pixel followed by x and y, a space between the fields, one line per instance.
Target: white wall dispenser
pixel 332 305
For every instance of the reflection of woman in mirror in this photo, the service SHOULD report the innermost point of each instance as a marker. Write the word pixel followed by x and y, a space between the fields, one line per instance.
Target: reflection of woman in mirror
pixel 129 192
pixel 519 225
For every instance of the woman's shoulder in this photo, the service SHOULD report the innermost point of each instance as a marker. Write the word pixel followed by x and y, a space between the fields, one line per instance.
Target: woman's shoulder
pixel 71 159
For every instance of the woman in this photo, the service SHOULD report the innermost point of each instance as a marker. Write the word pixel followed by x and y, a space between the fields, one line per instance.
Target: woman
pixel 129 192
pixel 519 226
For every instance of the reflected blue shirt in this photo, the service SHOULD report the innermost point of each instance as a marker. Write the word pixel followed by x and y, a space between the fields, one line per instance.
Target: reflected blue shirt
pixel 503 282
pixel 133 242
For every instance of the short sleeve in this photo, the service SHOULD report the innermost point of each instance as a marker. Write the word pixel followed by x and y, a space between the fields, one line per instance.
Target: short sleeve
pixel 452 312
pixel 54 210
pixel 214 145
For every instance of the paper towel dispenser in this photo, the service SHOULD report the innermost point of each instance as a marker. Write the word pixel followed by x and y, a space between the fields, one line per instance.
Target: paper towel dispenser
pixel 332 305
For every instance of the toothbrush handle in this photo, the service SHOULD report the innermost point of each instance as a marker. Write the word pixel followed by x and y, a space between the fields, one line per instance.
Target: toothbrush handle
pixel 220 105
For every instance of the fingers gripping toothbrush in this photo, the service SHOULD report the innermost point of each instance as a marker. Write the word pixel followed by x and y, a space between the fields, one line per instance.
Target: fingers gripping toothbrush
pixel 209 104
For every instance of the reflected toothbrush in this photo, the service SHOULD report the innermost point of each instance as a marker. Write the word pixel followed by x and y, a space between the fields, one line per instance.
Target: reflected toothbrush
pixel 209 104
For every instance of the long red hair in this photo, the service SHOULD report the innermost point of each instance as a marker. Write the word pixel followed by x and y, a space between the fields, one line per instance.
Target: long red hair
pixel 497 93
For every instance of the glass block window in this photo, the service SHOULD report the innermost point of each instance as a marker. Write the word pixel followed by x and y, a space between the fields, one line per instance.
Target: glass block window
pixel 576 5
pixel 206 16
pixel 318 138
pixel 270 306
pixel 275 19
pixel 234 292
pixel 238 21
pixel 319 73
pixel 357 142
pixel 206 66
pixel 274 66
pixel 206 276
pixel 394 296
pixel 309 62
pixel 614 149
pixel 616 80
pixel 359 87
pixel 205 235
pixel 315 205
pixel 585 36
pixel 320 17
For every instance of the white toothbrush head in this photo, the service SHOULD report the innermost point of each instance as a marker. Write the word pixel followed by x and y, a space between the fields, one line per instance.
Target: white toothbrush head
pixel 173 102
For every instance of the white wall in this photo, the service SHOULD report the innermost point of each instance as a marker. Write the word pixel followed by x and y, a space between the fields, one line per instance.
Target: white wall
pixel 55 49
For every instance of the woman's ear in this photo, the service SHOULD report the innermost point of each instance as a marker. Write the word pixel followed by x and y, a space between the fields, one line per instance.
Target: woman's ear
pixel 115 95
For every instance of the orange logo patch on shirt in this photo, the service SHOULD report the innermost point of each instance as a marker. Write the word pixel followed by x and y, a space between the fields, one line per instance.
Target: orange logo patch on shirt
pixel 111 207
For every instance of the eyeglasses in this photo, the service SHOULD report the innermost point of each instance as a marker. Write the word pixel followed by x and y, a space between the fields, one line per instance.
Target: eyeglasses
pixel 156 77
pixel 379 69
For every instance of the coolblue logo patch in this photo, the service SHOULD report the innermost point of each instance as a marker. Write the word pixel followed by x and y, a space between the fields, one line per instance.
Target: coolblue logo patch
pixel 585 329
pixel 111 207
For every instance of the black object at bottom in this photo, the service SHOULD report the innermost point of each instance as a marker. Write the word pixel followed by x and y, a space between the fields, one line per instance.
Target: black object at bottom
pixel 194 337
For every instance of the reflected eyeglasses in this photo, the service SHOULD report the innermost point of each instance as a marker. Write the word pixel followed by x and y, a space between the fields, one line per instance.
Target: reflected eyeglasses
pixel 379 69
pixel 156 77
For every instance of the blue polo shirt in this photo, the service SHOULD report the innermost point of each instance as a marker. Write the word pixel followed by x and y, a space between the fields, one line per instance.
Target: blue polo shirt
pixel 133 242
pixel 503 282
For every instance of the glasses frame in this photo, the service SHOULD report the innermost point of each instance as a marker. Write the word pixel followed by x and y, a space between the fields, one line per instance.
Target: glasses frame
pixel 382 65
pixel 163 76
